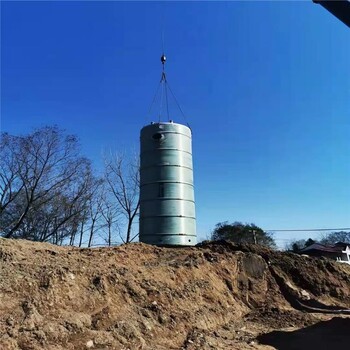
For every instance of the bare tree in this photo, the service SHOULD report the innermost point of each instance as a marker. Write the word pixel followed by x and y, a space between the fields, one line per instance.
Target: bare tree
pixel 82 226
pixel 110 215
pixel 10 180
pixel 95 211
pixel 122 179
pixel 44 185
pixel 335 237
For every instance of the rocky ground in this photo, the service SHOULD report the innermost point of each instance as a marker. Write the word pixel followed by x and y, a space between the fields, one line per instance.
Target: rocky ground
pixel 213 296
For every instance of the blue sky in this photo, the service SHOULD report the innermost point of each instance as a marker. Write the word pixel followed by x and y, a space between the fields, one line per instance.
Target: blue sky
pixel 265 87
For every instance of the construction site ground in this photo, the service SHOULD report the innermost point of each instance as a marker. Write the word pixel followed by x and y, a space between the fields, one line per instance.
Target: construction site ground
pixel 216 295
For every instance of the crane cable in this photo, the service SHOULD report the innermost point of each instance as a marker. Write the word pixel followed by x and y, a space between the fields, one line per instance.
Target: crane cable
pixel 164 86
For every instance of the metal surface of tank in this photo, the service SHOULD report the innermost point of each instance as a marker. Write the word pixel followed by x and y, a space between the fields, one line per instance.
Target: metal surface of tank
pixel 167 207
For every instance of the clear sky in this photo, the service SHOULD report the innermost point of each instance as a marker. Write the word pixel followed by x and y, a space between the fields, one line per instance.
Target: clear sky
pixel 265 87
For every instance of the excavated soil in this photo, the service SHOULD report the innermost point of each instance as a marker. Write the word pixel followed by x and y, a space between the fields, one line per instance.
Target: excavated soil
pixel 214 296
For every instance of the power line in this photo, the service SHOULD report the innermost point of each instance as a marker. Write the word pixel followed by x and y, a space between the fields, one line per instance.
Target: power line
pixel 312 229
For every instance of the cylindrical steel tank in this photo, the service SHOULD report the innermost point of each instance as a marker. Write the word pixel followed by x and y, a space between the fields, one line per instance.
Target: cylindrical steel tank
pixel 167 207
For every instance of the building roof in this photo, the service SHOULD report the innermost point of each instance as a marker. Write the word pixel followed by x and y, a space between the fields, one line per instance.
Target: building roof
pixel 322 248
pixel 342 244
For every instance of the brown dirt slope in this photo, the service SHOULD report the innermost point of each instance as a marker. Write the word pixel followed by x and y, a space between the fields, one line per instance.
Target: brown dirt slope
pixel 213 296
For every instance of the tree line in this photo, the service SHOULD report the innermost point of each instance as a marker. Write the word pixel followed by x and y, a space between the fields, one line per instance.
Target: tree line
pixel 49 192
pixel 250 233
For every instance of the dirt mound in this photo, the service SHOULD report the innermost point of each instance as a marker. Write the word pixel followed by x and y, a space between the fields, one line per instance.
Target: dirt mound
pixel 213 296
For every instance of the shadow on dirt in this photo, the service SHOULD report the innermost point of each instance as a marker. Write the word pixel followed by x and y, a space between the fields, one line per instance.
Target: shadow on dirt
pixel 332 334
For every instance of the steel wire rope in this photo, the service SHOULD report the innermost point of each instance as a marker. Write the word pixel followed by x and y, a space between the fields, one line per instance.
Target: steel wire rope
pixel 160 84
pixel 166 98
pixel 178 105
pixel 161 99
pixel 154 98
pixel 164 86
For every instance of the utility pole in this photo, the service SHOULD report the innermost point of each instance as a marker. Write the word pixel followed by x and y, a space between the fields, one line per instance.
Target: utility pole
pixel 254 236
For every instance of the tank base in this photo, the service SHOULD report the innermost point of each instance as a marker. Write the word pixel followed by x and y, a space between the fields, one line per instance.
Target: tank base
pixel 169 240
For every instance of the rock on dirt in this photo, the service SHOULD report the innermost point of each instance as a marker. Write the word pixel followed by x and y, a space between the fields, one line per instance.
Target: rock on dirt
pixel 213 296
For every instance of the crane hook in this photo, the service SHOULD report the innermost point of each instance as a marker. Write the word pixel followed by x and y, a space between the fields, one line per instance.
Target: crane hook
pixel 163 59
